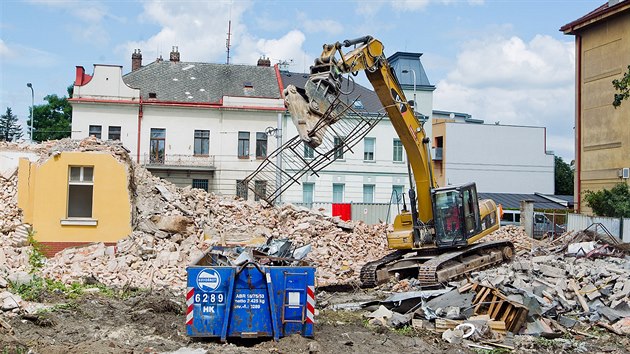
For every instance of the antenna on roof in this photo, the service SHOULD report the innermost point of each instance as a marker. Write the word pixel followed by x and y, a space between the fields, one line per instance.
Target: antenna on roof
pixel 227 42
pixel 283 65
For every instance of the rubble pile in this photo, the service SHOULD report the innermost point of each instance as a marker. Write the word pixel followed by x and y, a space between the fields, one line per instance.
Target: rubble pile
pixel 172 227
pixel 515 234
pixel 568 280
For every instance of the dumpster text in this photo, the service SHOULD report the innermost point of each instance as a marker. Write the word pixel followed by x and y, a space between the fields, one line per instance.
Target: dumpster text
pixel 250 301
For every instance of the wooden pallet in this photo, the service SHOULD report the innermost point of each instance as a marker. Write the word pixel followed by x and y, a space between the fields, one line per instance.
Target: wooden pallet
pixel 490 301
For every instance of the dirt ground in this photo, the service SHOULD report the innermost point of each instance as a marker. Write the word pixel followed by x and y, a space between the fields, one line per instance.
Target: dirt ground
pixel 154 323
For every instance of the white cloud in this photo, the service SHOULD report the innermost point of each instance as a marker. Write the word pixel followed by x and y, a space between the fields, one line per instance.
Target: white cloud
pixel 23 56
pixel 286 48
pixel 5 52
pixel 89 27
pixel 199 29
pixel 372 7
pixel 515 82
pixel 319 25
pixel 200 33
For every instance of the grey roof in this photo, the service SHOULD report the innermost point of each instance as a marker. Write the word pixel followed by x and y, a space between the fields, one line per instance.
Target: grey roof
pixel 513 201
pixel 202 82
pixel 368 98
pixel 400 61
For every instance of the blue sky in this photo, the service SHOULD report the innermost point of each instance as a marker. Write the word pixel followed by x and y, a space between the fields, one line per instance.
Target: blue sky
pixel 500 61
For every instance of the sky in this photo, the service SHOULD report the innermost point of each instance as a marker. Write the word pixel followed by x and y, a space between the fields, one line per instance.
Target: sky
pixel 499 60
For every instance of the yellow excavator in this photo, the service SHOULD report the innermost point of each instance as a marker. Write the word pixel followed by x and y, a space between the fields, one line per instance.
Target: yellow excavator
pixel 437 239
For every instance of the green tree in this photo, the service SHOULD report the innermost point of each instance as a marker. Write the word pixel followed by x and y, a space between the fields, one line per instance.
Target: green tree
pixel 623 86
pixel 9 128
pixel 614 202
pixel 53 120
pixel 563 177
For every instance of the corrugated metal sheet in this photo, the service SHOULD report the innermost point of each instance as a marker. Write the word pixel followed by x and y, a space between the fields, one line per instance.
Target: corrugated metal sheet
pixel 579 222
pixel 626 230
pixel 370 213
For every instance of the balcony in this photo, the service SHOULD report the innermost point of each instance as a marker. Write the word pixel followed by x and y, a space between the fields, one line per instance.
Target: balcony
pixel 179 162
pixel 438 154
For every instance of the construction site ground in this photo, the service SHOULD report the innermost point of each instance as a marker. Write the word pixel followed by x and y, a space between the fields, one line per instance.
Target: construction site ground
pixel 145 322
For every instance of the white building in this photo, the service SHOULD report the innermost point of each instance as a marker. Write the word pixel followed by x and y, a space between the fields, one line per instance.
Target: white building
pixel 498 158
pixel 211 125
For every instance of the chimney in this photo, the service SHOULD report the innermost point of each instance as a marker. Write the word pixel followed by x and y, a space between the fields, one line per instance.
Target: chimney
pixel 159 59
pixel 175 55
pixel 264 61
pixel 136 60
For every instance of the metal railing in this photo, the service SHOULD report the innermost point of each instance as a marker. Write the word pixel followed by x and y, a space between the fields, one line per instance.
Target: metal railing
pixel 287 165
pixel 178 160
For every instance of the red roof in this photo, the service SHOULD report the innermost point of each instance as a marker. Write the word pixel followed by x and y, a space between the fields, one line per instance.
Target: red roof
pixel 595 16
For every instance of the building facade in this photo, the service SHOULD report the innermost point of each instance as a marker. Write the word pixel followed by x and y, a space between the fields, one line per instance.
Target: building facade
pixel 498 158
pixel 211 125
pixel 602 133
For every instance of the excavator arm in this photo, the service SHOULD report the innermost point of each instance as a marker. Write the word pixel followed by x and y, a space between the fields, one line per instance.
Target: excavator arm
pixel 311 108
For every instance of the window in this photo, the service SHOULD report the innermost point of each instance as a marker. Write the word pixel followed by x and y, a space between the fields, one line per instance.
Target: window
pixel 200 184
pixel 338 146
pixel 202 142
pixel 309 152
pixel 243 144
pixel 397 194
pixel 80 190
pixel 368 193
pixel 368 149
pixel 307 193
pixel 261 145
pixel 95 131
pixel 338 192
pixel 157 145
pixel 398 151
pixel 241 189
pixel 113 133
pixel 261 189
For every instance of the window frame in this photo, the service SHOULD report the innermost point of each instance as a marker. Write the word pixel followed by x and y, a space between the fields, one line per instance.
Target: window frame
pixel 260 186
pixel 398 149
pixel 367 187
pixel 339 141
pixel 203 182
pixel 92 131
pixel 369 156
pixel 309 152
pixel 243 145
pixel 203 137
pixel 335 193
pixel 241 189
pixel 82 181
pixel 109 132
pixel 261 145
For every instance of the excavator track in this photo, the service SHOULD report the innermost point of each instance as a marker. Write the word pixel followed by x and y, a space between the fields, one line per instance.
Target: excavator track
pixel 452 265
pixel 368 274
pixel 440 267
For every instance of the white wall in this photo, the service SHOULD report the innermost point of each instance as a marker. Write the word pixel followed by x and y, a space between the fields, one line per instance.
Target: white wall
pixel 123 115
pixel 498 158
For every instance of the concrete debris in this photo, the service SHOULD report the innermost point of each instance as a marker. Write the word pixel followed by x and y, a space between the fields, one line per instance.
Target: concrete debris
pixel 453 336
pixel 172 227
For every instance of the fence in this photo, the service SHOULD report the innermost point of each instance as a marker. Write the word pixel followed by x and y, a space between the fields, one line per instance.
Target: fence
pixel 369 213
pixel 618 227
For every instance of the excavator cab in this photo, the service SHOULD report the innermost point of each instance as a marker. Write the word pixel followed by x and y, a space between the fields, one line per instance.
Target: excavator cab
pixel 456 215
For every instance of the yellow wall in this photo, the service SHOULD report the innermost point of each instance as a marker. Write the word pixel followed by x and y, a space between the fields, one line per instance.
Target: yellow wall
pixel 605 131
pixel 439 129
pixel 43 196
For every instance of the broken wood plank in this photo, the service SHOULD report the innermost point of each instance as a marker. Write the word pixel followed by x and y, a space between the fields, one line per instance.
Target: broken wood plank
pixel 579 296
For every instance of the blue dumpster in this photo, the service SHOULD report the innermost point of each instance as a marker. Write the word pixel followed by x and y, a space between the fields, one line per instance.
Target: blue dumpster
pixel 250 301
